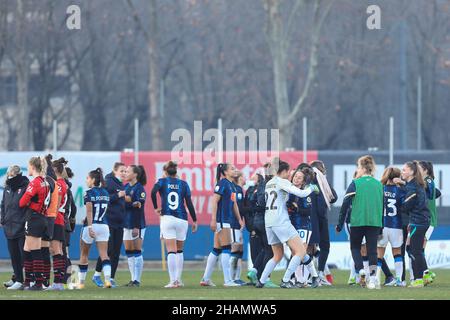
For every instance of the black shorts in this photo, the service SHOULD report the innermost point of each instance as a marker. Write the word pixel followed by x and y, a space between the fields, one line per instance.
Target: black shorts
pixel 36 225
pixel 48 236
pixel 59 233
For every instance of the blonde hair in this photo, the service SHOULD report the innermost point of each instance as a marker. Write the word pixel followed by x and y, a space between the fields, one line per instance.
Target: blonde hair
pixel 40 164
pixel 368 164
pixel 13 171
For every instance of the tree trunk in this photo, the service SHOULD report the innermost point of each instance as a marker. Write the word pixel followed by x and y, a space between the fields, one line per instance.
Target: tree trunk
pixel 22 74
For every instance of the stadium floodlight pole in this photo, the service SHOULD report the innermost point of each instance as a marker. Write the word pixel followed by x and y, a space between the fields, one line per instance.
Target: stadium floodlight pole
pixel 220 144
pixel 419 113
pixel 305 139
pixel 136 141
pixel 55 137
pixel 391 141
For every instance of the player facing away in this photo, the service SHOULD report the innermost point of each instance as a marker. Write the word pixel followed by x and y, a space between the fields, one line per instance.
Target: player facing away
pixel 175 196
pixel 237 240
pixel 279 228
pixel 95 226
pixel 224 205
pixel 134 231
pixel 56 244
pixel 392 222
pixel 299 209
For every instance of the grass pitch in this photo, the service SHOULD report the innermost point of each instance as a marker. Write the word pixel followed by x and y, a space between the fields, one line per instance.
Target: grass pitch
pixel 153 282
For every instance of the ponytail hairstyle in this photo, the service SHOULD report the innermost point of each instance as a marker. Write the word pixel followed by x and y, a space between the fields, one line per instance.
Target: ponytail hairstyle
pixel 69 173
pixel 368 164
pixel 97 175
pixel 389 174
pixel 141 175
pixel 417 173
pixel 171 168
pixel 39 164
pixel 428 166
pixel 220 171
pixel 59 165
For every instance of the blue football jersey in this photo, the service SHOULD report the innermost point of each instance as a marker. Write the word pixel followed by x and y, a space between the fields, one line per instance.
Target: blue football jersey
pixel 393 198
pixel 173 192
pixel 226 190
pixel 301 215
pixel 135 217
pixel 239 194
pixel 99 197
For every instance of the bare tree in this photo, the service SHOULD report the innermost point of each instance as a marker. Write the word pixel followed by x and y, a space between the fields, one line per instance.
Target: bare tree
pixel 279 38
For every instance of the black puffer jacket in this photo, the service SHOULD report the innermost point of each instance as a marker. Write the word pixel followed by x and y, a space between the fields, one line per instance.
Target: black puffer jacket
pixel 416 204
pixel 12 216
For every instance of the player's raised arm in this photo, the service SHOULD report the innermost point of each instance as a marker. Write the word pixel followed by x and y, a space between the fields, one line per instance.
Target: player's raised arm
pixel 291 189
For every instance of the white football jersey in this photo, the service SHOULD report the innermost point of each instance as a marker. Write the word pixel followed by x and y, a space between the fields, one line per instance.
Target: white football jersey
pixel 277 194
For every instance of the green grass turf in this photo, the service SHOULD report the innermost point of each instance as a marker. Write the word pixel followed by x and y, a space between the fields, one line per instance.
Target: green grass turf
pixel 153 282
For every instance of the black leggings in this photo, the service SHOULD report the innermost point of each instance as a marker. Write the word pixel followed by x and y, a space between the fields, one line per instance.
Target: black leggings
pixel 415 250
pixel 405 236
pixel 15 248
pixel 356 236
pixel 324 242
pixel 114 247
pixel 266 252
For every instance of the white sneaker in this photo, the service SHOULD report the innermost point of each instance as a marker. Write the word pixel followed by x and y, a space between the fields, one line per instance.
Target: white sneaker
pixel 8 283
pixel 171 285
pixel 231 284
pixel 207 283
pixel 16 286
pixel 180 283
pixel 323 280
pixel 373 284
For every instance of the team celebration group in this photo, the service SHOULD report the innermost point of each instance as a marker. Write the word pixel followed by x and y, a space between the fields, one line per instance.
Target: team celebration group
pixel 284 209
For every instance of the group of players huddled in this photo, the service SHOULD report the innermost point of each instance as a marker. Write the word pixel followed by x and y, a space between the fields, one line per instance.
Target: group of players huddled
pixel 281 208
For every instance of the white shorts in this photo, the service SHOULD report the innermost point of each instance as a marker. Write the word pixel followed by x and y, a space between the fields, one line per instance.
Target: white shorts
pixel 305 235
pixel 392 236
pixel 429 232
pixel 236 236
pixel 347 231
pixel 220 226
pixel 101 233
pixel 280 234
pixel 128 234
pixel 173 228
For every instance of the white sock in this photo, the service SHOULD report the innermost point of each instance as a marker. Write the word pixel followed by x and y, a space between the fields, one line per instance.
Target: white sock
pixel 172 266
pixel 327 270
pixel 352 270
pixel 399 268
pixel 180 263
pixel 299 273
pixel 210 264
pixel 379 273
pixel 138 267
pixel 225 259
pixel 237 275
pixel 366 267
pixel 131 263
pixel 311 269
pixel 107 271
pixel 233 266
pixel 268 269
pixel 97 274
pixel 82 276
pixel 293 264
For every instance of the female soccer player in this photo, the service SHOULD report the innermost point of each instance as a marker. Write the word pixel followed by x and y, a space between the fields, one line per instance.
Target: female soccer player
pixel 115 215
pixel 392 222
pixel 224 205
pixel 96 228
pixel 237 240
pixel 36 198
pixel 134 231
pixel 365 194
pixel 175 196
pixel 432 193
pixel 278 225
pixel 56 244
pixel 13 221
pixel 416 206
pixel 69 217
pixel 300 214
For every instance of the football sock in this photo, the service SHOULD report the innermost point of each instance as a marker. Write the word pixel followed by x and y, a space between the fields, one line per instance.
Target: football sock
pixel 293 264
pixel 131 262
pixel 83 272
pixel 180 263
pixel 268 269
pixel 106 267
pixel 172 266
pixel 138 265
pixel 211 263
pixel 398 259
pixel 225 259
